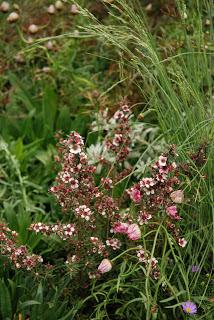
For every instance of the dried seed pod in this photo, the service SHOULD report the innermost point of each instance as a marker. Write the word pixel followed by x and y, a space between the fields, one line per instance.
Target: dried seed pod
pixel 13 17
pixel 177 196
pixel 19 58
pixel 148 8
pixel 51 9
pixel 5 6
pixel 16 7
pixel 46 69
pixel 33 28
pixel 59 5
pixel 49 45
pixel 29 40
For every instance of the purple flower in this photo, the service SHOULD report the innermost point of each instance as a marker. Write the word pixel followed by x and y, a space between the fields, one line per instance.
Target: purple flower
pixel 195 268
pixel 189 307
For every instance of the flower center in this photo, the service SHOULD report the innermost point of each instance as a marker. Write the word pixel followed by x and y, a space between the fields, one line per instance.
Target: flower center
pixel 188 310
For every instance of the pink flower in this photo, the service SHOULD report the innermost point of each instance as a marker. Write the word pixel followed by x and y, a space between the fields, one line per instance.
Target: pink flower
pixel 171 211
pixel 142 256
pixel 182 242
pixel 153 262
pixel 135 194
pixel 134 232
pixel 147 182
pixel 143 217
pixel 113 243
pixel 105 266
pixel 75 148
pixel 162 161
pixel 84 212
pixel 120 227
pixel 74 9
pixel 177 196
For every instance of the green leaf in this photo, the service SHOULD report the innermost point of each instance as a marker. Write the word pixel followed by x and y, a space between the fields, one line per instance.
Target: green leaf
pixel 64 119
pixel 17 148
pixel 173 297
pixel 29 303
pixel 5 301
pixel 49 109
pixel 45 156
pixel 10 215
pixel 23 94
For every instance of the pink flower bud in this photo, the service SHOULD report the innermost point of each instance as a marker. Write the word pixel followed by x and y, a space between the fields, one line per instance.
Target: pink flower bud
pixel 134 232
pixel 171 211
pixel 177 196
pixel 105 266
pixel 74 9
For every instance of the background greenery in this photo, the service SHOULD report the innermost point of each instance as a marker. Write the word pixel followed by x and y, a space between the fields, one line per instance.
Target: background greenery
pixel 161 58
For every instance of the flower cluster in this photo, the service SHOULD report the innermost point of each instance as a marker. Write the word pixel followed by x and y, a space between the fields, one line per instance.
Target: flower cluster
pixel 18 255
pixel 63 231
pixel 98 225
pixel 74 185
pixel 98 246
pixel 114 243
pixel 84 202
pixel 118 141
pixel 144 257
pixel 155 193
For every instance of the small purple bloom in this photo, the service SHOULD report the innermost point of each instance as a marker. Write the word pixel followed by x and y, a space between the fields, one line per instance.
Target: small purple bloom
pixel 189 307
pixel 195 268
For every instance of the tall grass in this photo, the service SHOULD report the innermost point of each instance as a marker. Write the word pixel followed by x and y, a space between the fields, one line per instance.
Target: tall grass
pixel 179 89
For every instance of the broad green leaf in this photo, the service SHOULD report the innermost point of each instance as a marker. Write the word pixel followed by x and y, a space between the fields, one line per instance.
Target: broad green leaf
pixel 5 301
pixel 49 109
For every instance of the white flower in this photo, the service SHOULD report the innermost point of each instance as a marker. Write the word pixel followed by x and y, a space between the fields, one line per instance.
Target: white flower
pixel 75 148
pixel 94 153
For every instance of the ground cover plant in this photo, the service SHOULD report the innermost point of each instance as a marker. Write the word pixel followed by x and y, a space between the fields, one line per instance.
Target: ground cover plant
pixel 106 159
